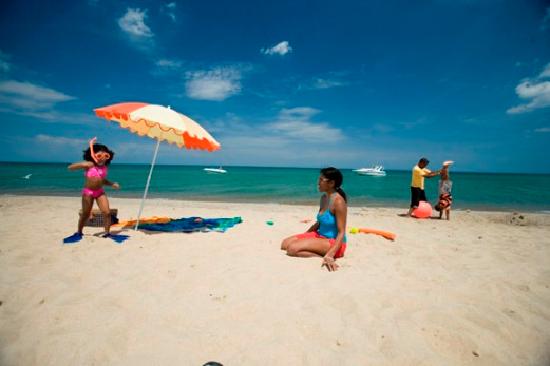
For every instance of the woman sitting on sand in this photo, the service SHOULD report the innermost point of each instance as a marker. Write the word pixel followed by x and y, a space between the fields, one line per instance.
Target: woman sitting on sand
pixel 326 237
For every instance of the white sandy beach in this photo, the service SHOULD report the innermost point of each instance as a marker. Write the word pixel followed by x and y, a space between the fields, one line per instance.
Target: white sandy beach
pixel 472 291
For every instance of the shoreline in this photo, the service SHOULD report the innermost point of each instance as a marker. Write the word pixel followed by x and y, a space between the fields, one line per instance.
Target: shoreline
pixel 200 199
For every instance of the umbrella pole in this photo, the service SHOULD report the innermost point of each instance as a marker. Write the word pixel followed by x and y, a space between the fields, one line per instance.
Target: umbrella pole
pixel 147 185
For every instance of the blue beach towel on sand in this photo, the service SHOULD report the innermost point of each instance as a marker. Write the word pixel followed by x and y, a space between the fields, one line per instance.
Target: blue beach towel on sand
pixel 194 224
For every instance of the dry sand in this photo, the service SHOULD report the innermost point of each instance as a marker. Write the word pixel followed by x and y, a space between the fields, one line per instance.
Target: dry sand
pixel 472 291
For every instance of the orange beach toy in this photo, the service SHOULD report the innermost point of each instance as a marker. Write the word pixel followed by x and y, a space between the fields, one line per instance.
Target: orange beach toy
pixel 364 230
pixel 143 220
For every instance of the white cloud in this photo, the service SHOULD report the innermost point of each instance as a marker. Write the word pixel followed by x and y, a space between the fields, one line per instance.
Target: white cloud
pixel 5 66
pixel 169 9
pixel 169 64
pixel 290 138
pixel 546 72
pixel 133 23
pixel 536 91
pixel 217 84
pixel 60 141
pixel 298 113
pixel 322 83
pixel 28 99
pixel 281 48
pixel 296 123
pixel 56 116
pixel 544 129
pixel 30 96
pixel 326 83
pixel 167 67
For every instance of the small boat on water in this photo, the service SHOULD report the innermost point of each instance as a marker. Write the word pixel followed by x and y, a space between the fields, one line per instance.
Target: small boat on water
pixel 219 170
pixel 377 171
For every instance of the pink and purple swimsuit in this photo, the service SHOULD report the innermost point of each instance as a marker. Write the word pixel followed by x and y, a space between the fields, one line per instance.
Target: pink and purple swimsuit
pixel 95 172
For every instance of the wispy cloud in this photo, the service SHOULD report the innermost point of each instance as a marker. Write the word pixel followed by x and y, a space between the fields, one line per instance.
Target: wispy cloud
pixel 296 123
pixel 281 48
pixel 293 135
pixel 543 130
pixel 167 64
pixel 30 96
pixel 328 81
pixel 536 91
pixel 170 10
pixel 5 66
pixel 298 113
pixel 216 84
pixel 28 99
pixel 546 20
pixel 60 141
pixel 546 72
pixel 133 25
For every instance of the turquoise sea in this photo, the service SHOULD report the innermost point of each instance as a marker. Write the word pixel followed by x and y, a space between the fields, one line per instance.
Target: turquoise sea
pixel 478 191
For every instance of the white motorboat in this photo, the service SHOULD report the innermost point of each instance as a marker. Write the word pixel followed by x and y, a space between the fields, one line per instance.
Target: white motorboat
pixel 215 170
pixel 377 170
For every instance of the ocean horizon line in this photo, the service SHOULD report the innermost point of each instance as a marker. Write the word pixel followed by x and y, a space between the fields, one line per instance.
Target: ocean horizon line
pixel 276 167
pixel 508 191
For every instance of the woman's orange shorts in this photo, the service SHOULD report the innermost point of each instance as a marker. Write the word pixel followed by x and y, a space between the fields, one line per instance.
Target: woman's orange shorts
pixel 315 234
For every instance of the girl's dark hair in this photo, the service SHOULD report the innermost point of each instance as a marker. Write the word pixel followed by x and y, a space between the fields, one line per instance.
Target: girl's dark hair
pixel 336 176
pixel 97 148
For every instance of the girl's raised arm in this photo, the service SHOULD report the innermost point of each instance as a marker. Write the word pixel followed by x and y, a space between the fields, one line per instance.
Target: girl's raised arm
pixel 81 165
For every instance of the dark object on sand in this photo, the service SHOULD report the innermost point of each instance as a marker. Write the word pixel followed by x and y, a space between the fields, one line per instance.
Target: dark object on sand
pixel 96 218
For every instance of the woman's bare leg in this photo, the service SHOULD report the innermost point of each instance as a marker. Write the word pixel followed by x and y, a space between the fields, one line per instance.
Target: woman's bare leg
pixel 103 204
pixel 87 204
pixel 287 241
pixel 308 247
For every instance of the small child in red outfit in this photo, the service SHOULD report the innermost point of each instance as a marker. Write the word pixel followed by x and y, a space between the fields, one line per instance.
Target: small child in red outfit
pixel 445 186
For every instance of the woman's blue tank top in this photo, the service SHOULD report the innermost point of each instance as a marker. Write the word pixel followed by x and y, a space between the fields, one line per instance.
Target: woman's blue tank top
pixel 327 223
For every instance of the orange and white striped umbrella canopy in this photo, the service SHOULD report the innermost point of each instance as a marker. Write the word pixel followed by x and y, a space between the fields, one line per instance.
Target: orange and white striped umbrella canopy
pixel 161 123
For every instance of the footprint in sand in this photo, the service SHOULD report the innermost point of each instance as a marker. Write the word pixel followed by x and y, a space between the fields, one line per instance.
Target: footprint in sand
pixel 513 314
pixel 218 298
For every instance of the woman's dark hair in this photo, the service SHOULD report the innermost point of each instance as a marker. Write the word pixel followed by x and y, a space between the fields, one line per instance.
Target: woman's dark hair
pixel 97 148
pixel 336 176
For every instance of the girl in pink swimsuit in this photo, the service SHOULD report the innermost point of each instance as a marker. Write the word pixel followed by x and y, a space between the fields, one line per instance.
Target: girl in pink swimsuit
pixel 97 157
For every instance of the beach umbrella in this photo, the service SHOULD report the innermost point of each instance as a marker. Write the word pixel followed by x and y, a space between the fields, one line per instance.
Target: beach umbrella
pixel 160 123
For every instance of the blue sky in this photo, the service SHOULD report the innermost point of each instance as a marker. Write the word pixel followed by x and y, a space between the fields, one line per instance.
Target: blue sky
pixel 284 83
